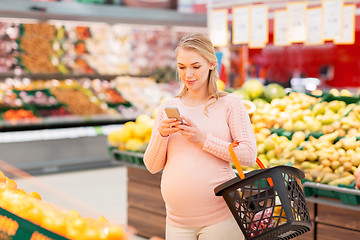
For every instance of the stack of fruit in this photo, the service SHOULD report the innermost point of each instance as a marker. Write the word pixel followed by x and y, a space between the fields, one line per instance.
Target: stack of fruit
pixel 69 224
pixel 319 135
pixel 133 136
pixel 254 90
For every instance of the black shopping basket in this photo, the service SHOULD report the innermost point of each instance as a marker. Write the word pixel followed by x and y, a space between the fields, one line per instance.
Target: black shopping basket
pixel 267 203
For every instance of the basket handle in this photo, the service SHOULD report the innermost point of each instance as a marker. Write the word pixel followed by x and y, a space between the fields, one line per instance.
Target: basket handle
pixel 237 163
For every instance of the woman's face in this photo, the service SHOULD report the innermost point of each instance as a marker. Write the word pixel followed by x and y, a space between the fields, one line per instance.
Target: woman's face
pixel 193 69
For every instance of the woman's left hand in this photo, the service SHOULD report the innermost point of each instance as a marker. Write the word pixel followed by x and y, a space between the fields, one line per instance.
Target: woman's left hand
pixel 191 132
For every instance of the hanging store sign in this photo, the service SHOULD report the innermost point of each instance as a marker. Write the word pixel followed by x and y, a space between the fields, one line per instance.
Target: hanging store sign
pixel 314 31
pixel 280 28
pixel 333 19
pixel 219 27
pixel 348 28
pixel 259 26
pixel 240 28
pixel 296 22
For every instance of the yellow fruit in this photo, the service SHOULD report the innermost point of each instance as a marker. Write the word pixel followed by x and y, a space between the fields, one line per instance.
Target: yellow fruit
pixel 112 139
pixel 124 134
pixel 34 195
pixel 140 130
pixel 129 126
pixel 220 85
pixel 115 233
pixel 133 144
pixel 155 112
pixel 147 137
pixel 142 118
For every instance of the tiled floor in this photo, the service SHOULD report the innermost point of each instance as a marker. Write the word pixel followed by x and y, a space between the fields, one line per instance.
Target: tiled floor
pixel 93 193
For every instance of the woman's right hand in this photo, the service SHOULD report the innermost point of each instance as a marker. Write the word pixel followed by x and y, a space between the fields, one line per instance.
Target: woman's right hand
pixel 168 126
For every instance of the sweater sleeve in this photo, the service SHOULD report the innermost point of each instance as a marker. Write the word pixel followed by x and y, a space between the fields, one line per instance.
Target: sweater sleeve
pixel 155 154
pixel 241 131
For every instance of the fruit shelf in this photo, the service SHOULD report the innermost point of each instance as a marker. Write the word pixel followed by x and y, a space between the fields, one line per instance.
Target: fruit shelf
pixel 347 194
pixel 16 228
pixel 126 156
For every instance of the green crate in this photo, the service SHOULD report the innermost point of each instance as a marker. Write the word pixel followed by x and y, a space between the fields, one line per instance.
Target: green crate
pixel 349 198
pixel 22 229
pixel 126 156
pixel 334 192
pixel 288 134
pixel 348 100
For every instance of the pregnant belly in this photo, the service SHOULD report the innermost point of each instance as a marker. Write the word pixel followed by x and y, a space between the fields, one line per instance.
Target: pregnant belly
pixel 189 194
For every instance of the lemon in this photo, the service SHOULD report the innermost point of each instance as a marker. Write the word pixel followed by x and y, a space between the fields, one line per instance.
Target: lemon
pixel 220 84
pixel 147 137
pixel 124 134
pixel 112 139
pixel 129 127
pixel 141 130
pixel 142 118
pixel 133 144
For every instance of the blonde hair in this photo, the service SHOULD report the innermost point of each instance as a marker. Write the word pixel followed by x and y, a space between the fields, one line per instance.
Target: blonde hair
pixel 200 43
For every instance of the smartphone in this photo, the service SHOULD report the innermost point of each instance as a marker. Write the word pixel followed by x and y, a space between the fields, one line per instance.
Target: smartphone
pixel 173 112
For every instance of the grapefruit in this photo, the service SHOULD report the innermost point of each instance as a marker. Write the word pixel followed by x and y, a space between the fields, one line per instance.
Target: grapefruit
pixel 274 90
pixel 254 88
pixel 249 106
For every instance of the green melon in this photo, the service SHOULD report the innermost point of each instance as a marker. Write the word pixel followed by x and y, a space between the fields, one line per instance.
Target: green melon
pixel 242 93
pixel 254 88
pixel 274 90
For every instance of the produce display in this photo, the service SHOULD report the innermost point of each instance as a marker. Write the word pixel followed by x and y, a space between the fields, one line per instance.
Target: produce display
pixel 35 44
pixel 144 93
pixel 66 223
pixel 13 116
pixel 9 98
pixel 123 98
pixel 38 98
pixel 77 102
pixel 133 136
pixel 93 48
pixel 318 132
pixel 9 48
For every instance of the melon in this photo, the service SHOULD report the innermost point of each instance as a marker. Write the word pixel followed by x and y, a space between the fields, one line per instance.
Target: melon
pixel 242 93
pixel 274 90
pixel 259 102
pixel 254 88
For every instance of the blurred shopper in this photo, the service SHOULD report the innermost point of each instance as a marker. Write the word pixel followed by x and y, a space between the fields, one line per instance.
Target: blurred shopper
pixel 194 156
pixel 357 178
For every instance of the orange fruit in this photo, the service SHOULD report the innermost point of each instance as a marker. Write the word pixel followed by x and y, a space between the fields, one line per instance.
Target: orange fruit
pixel 71 215
pixel 79 224
pixel 56 224
pixel 21 191
pixel 116 232
pixel 11 183
pixel 36 215
pixel 34 195
pixel 102 222
pixel 92 234
pixel 2 177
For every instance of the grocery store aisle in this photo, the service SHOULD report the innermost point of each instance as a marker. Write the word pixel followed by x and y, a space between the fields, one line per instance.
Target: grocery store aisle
pixel 93 193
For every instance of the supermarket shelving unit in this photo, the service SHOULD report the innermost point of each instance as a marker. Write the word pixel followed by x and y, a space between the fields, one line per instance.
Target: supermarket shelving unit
pixel 77 145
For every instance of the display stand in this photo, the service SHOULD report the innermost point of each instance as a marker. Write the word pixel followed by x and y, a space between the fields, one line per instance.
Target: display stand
pixel 332 218
pixel 146 208
pixel 73 153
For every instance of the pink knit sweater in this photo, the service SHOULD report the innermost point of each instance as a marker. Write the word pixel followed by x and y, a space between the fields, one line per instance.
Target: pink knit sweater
pixel 190 173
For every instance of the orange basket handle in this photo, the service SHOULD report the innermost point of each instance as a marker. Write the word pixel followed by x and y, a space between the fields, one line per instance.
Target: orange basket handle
pixel 237 163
